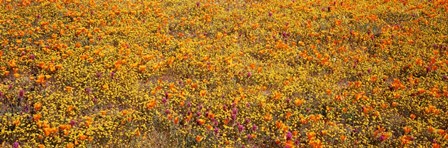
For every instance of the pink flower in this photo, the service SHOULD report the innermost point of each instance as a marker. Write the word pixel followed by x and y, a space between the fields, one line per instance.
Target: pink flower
pixel 240 127
pixel 288 136
pixel 16 145
pixel 254 127
pixel 21 93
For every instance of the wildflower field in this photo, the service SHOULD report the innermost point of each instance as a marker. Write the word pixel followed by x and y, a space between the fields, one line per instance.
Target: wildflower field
pixel 223 73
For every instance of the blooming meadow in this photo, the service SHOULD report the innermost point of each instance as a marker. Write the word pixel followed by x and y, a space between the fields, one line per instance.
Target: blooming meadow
pixel 223 73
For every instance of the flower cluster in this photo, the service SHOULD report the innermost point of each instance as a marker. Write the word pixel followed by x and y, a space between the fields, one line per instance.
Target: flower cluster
pixel 210 73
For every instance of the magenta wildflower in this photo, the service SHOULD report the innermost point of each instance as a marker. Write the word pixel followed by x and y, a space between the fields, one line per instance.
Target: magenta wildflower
pixel 288 136
pixel 16 145
pixel 240 127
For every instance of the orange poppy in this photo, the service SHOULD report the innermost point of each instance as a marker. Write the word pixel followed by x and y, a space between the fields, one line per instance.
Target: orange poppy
pixel 82 137
pixel 70 145
pixel 202 93
pixel 142 68
pixel 47 131
pixel 198 138
pixel 407 129
pixel 151 104
pixel 299 102
pixel 37 117
pixel 37 106
pixel 200 121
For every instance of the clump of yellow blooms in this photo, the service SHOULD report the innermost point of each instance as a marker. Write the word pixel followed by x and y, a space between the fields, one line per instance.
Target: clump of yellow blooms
pixel 211 73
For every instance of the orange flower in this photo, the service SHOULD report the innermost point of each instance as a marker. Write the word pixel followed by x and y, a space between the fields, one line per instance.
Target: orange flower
pixel 105 87
pixel 421 91
pixel 37 117
pixel 202 93
pixel 252 65
pixel 357 84
pixel 170 60
pixel 40 79
pixel 176 120
pixel 316 143
pixel 277 141
pixel 188 81
pixel 419 62
pixel 289 144
pixel 70 108
pixel 82 137
pixel 342 137
pixel 397 84
pixel 194 85
pixel 37 106
pixel 338 22
pixel 142 68
pixel 373 78
pixel 198 138
pixel 405 139
pixel 278 124
pixel 103 112
pixel 299 102
pixel 268 117
pixel 171 86
pixel 211 115
pixel 435 145
pixel 151 104
pixel 441 132
pixel 16 75
pixel 407 129
pixel 344 110
pixel 310 135
pixel 66 132
pixel 226 121
pixel 394 104
pixel 288 115
pixel 328 91
pixel 118 64
pixel 65 126
pixel 47 131
pixel 77 44
pixel 303 121
pixel 68 88
pixel 324 132
pixel 384 105
pixel 200 121
pixel 17 122
pixel 365 110
pixel 277 95
pixel 431 129
pixel 397 95
pixel 430 109
pixel 182 103
pixel 6 73
pixel 70 145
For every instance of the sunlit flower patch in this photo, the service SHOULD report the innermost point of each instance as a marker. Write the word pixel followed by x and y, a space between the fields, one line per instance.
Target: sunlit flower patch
pixel 210 73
